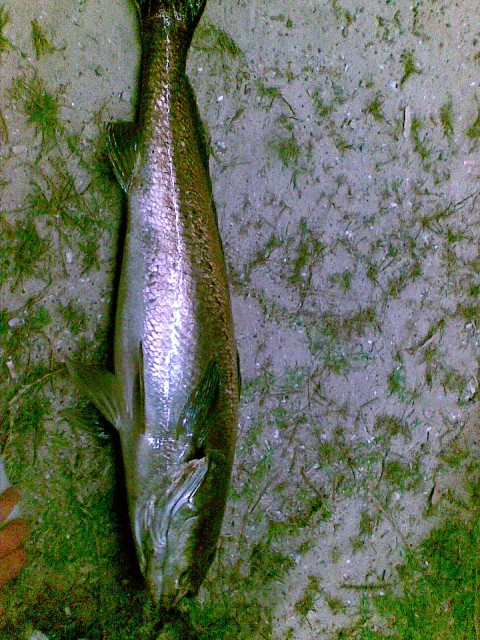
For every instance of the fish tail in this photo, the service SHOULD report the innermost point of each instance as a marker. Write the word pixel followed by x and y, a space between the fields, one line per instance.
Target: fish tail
pixel 187 12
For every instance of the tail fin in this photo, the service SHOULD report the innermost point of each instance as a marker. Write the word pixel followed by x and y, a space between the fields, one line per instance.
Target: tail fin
pixel 183 11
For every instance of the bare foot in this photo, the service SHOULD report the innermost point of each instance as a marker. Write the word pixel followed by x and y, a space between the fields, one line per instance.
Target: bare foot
pixel 12 536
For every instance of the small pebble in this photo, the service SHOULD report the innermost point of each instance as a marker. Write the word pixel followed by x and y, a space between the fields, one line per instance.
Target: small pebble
pixel 407 122
pixel 11 368
pixel 19 148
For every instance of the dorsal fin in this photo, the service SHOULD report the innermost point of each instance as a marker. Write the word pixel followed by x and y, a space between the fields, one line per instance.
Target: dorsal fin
pixel 124 151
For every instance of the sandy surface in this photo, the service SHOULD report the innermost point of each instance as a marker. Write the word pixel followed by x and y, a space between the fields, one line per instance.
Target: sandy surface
pixel 346 189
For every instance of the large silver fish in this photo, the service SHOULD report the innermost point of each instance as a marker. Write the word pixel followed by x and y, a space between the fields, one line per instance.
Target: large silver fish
pixel 174 394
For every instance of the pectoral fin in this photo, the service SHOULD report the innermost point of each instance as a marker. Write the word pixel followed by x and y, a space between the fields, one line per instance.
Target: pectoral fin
pixel 139 392
pixel 123 151
pixel 102 387
pixel 196 419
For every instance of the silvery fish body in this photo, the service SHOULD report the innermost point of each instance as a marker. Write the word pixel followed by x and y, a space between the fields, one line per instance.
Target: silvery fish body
pixel 174 394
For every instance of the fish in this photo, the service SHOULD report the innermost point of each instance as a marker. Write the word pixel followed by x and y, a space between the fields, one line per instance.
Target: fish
pixel 174 391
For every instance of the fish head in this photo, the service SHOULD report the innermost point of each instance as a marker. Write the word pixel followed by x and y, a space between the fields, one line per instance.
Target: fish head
pixel 169 547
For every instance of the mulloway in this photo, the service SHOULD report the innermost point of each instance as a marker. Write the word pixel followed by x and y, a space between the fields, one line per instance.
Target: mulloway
pixel 173 396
